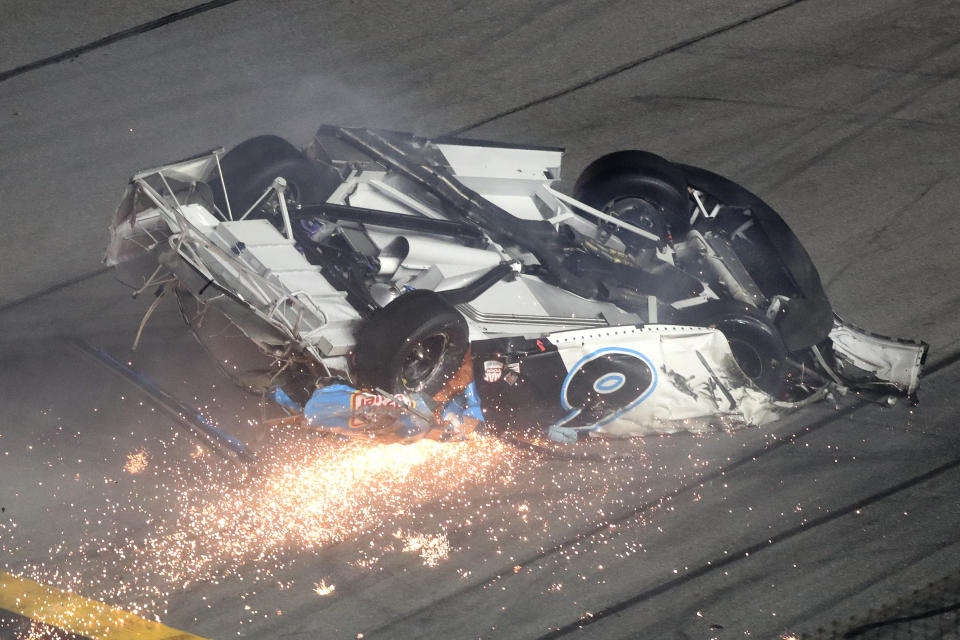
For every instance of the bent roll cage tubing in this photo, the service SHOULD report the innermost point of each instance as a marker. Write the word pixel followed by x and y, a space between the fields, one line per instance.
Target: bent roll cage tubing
pixel 187 239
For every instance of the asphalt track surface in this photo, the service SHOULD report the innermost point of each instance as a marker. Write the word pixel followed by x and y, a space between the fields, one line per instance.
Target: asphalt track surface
pixel 842 115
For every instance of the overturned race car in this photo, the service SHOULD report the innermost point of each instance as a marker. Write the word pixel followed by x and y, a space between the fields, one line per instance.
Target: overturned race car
pixel 379 265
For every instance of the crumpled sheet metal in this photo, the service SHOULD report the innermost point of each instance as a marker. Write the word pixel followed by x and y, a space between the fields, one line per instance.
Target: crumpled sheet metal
pixel 685 379
pixel 367 415
pixel 891 359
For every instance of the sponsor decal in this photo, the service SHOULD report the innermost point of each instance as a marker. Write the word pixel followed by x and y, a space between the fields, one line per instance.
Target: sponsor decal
pixel 361 401
pixel 492 370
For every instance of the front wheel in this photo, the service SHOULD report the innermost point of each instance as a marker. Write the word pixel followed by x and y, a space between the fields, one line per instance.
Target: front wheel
pixel 756 344
pixel 640 188
pixel 757 349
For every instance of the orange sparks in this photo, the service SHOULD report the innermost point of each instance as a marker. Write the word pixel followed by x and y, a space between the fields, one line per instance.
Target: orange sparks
pixel 323 589
pixel 306 494
pixel 40 631
pixel 310 494
pixel 432 549
pixel 137 461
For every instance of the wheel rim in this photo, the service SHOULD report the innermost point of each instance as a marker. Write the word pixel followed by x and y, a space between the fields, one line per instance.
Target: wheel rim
pixel 293 193
pixel 422 360
pixel 638 212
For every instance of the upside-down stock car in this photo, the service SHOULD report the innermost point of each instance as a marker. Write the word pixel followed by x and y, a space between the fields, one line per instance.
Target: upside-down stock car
pixel 657 297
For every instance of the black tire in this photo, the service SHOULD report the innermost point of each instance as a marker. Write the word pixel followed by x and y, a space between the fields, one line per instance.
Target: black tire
pixel 756 344
pixel 641 188
pixel 777 261
pixel 757 349
pixel 252 166
pixel 414 344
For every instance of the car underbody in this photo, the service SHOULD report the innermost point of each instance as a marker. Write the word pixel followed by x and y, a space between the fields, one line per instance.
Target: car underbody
pixel 657 297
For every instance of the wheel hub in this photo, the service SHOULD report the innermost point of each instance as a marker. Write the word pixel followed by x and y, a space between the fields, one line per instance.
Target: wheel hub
pixel 640 213
pixel 422 360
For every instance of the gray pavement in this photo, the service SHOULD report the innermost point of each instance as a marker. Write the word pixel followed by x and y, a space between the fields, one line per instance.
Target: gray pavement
pixel 842 115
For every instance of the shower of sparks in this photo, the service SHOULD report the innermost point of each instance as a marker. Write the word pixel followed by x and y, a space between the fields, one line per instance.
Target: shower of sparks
pixel 432 549
pixel 210 520
pixel 323 589
pixel 192 520
pixel 40 631
pixel 137 461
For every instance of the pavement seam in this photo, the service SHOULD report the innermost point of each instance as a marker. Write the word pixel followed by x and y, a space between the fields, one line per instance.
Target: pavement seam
pixel 117 36
pixel 856 631
pixel 627 66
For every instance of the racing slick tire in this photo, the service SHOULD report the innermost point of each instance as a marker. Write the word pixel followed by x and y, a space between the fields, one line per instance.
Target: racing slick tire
pixel 414 344
pixel 755 343
pixel 758 350
pixel 252 166
pixel 639 187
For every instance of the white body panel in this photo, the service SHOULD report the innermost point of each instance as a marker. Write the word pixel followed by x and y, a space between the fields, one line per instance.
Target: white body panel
pixel 695 386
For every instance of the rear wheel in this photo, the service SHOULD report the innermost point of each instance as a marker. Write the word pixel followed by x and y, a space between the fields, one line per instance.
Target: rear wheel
pixel 414 344
pixel 252 166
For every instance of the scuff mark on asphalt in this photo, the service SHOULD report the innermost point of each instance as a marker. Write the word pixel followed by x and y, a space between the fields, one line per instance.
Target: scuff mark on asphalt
pixel 808 109
pixel 744 553
pixel 53 289
pixel 70 54
pixel 633 64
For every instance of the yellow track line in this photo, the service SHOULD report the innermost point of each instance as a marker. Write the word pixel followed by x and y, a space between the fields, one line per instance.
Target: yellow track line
pixel 78 615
